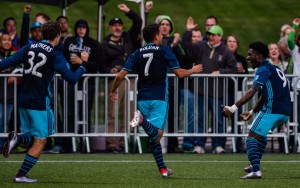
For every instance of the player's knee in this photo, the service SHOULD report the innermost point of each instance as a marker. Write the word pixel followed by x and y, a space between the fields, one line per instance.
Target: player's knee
pixel 160 135
pixel 254 135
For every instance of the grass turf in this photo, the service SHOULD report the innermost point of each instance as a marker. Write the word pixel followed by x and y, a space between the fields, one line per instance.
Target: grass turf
pixel 118 170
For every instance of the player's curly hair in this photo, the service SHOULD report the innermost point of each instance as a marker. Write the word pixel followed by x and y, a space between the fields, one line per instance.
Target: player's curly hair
pixel 50 30
pixel 150 31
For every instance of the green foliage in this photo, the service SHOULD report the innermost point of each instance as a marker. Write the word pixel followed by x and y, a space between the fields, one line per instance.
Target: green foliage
pixel 127 170
pixel 249 20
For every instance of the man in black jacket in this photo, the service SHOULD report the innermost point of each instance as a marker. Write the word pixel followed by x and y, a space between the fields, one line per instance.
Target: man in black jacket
pixel 73 46
pixel 118 45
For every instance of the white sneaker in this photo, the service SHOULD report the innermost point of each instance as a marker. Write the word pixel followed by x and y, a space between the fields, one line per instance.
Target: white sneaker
pixel 248 169
pixel 136 119
pixel 253 175
pixel 218 150
pixel 199 150
pixel 24 179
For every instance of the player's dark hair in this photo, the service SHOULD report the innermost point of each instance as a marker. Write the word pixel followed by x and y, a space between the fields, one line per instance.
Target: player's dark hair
pixel 150 31
pixel 50 30
pixel 260 48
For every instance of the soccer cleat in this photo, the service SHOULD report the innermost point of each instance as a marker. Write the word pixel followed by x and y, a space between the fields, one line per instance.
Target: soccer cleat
pixel 24 179
pixel 136 119
pixel 56 150
pixel 218 150
pixel 253 175
pixel 199 149
pixel 248 169
pixel 165 172
pixel 10 144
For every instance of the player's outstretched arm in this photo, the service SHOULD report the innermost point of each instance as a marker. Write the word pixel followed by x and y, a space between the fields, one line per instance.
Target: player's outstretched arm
pixel 61 66
pixel 229 110
pixel 182 73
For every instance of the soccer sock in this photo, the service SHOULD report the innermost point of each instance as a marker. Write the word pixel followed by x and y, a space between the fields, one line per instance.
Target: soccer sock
pixel 28 163
pixel 262 146
pixel 24 138
pixel 157 154
pixel 253 153
pixel 150 130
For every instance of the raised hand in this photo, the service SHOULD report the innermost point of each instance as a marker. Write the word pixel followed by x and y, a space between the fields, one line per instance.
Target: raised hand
pixel 190 24
pixel 123 8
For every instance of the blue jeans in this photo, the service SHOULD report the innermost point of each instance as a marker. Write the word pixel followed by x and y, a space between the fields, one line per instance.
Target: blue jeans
pixel 9 109
pixel 188 142
pixel 216 113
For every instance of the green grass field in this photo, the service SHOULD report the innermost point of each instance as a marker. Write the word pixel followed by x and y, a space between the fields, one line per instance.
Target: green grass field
pixel 127 170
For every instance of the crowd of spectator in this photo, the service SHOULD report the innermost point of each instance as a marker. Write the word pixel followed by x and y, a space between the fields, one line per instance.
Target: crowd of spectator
pixel 217 54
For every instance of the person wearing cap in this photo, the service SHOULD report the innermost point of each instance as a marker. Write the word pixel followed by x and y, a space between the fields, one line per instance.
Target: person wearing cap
pixel 215 58
pixel 35 32
pixel 73 46
pixel 273 106
pixel 172 40
pixel 118 45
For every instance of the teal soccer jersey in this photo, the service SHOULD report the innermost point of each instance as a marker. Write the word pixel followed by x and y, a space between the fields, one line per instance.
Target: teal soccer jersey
pixel 275 89
pixel 40 63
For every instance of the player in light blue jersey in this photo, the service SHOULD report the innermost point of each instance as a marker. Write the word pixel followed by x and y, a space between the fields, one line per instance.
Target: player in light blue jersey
pixel 151 63
pixel 274 105
pixel 40 63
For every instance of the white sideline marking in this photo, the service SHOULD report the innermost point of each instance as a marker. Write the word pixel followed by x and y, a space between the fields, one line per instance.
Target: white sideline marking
pixel 152 161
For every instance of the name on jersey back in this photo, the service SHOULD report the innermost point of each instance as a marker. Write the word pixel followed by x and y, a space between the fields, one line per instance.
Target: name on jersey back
pixel 41 45
pixel 149 48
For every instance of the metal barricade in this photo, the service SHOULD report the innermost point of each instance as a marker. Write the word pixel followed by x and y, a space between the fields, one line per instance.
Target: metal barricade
pixel 207 88
pixel 204 88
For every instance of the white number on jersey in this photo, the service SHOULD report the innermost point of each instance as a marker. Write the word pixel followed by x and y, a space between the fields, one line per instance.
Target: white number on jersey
pixel 281 76
pixel 150 58
pixel 33 67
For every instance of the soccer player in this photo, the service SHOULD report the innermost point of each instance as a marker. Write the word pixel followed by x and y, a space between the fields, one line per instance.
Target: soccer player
pixel 151 63
pixel 274 105
pixel 40 63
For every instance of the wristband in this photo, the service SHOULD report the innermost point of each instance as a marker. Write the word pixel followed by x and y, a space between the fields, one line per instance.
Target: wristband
pixel 251 112
pixel 232 108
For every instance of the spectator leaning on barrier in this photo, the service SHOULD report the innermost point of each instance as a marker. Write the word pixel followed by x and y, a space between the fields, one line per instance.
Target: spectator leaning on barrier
pixel 215 58
pixel 171 40
pixel 233 44
pixel 196 37
pixel 73 46
pixel 118 45
pixel 294 47
pixel 6 51
pixel 58 142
